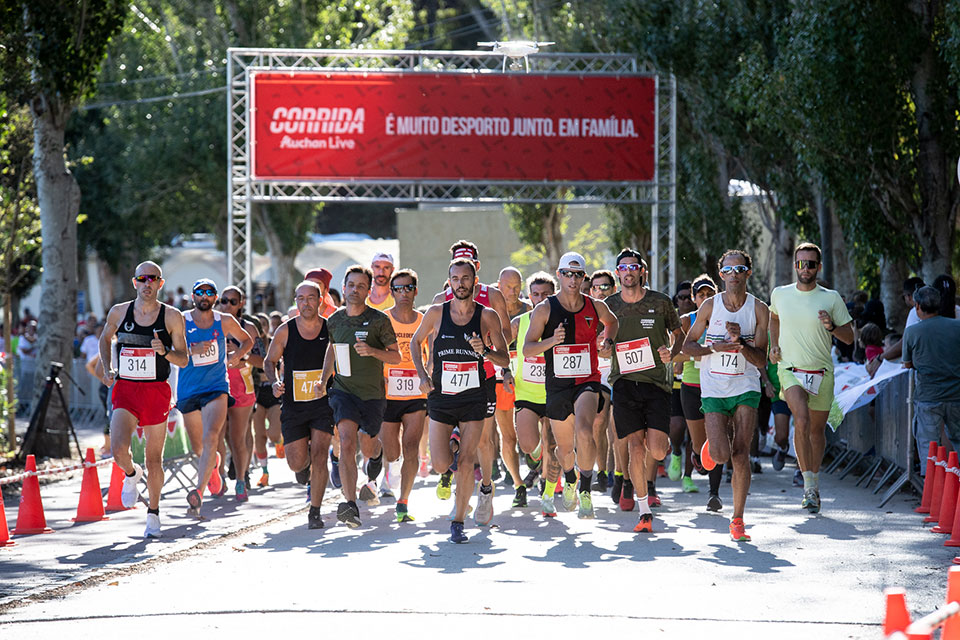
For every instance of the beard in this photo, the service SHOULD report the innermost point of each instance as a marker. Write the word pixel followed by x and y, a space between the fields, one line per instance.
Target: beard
pixel 380 280
pixel 462 293
pixel 204 304
pixel 806 279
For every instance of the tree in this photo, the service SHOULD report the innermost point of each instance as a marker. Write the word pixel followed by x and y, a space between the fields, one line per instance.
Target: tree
pixel 51 56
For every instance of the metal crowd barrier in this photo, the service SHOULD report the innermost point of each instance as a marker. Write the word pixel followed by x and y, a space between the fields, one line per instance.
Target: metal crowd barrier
pixel 85 409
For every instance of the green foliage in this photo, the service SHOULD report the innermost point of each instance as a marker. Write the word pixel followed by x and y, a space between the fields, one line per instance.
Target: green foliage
pixel 19 214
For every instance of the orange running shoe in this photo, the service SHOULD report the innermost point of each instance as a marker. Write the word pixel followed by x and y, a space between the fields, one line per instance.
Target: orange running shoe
pixel 645 525
pixel 215 484
pixel 278 449
pixel 737 532
pixel 705 460
pixel 264 480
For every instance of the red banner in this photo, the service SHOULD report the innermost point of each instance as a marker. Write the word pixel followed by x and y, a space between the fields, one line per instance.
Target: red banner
pixel 452 126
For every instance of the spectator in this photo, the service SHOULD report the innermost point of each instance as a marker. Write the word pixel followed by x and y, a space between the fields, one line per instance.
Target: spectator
pixel 871 339
pixel 27 347
pixel 909 286
pixel 930 347
pixel 947 287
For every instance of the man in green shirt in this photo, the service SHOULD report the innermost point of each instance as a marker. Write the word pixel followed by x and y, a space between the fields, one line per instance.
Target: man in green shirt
pixel 804 316
pixel 361 341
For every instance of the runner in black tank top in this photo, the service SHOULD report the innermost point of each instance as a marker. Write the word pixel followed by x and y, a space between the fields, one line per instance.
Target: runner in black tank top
pixel 134 337
pixel 300 357
pixel 452 347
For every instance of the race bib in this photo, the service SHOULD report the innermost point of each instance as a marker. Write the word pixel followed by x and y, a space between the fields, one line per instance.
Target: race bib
pixel 303 383
pixel 571 360
pixel 342 353
pixel 535 370
pixel 499 370
pixel 138 363
pixel 809 380
pixel 728 363
pixel 635 355
pixel 404 383
pixel 457 377
pixel 210 355
pixel 604 365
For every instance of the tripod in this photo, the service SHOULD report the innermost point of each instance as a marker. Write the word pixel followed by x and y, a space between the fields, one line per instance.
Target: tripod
pixel 37 421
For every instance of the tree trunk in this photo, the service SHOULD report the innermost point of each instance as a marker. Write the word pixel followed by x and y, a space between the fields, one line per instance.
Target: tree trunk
pixel 59 198
pixel 284 272
pixel 553 234
pixel 825 221
pixel 845 272
pixel 892 275
pixel 783 243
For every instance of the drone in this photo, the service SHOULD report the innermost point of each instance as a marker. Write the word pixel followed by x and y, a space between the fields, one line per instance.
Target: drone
pixel 515 49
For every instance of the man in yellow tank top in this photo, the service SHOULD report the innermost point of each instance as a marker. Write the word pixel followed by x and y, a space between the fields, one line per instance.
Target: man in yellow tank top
pixel 380 297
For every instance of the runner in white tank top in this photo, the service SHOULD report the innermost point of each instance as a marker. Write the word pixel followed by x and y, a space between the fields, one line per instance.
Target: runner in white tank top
pixel 729 374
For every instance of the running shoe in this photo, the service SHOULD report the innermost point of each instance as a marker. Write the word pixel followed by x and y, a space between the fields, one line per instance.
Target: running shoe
pixel 424 469
pixel 600 484
pixel 661 472
pixel 443 487
pixel 264 480
pixel 129 493
pixel 241 488
pixel 393 475
pixel 387 492
pixel 314 521
pixel 645 524
pixel 215 484
pixel 627 503
pixel 689 486
pixel 496 473
pixel 798 478
pixel 755 465
pixel 231 471
pixel 547 507
pixel 520 498
pixel 484 513
pixel 569 496
pixel 616 489
pixel 737 533
pixel 402 514
pixel 705 460
pixel 779 459
pixel 335 472
pixel 653 498
pixel 368 493
pixel 278 449
pixel 303 476
pixel 531 478
pixel 675 468
pixel 457 536
pixel 348 515
pixel 507 478
pixel 153 526
pixel 697 464
pixel 194 500
pixel 586 506
pixel 811 501
pixel 714 503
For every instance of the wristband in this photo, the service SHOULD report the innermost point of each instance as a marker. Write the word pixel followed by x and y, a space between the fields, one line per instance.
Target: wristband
pixel 486 350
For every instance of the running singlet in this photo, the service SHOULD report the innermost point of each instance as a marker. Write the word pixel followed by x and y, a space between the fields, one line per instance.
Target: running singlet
pixel 573 362
pixel 136 359
pixel 482 297
pixel 402 380
pixel 302 367
pixel 383 305
pixel 691 368
pixel 205 372
pixel 529 374
pixel 728 374
pixel 458 372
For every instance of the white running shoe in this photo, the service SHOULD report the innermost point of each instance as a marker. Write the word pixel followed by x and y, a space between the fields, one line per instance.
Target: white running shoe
pixel 484 513
pixel 129 493
pixel 153 526
pixel 393 474
pixel 368 493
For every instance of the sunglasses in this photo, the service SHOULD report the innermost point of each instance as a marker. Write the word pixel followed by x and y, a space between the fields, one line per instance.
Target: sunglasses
pixel 566 273
pixel 151 279
pixel 230 301
pixel 734 268
pixel 806 264
pixel 397 288
pixel 602 287
pixel 623 268
pixel 684 296
pixel 210 293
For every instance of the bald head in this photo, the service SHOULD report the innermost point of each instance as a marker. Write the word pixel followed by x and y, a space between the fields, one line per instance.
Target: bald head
pixel 148 268
pixel 510 284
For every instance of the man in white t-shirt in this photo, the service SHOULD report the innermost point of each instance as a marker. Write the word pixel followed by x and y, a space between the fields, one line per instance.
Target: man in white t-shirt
pixel 90 348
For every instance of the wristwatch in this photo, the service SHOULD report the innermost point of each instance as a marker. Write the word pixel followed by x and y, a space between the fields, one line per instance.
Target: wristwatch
pixel 486 349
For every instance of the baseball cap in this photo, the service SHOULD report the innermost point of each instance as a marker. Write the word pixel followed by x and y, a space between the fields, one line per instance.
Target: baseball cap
pixel 572 260
pixel 701 283
pixel 382 257
pixel 204 281
pixel 322 275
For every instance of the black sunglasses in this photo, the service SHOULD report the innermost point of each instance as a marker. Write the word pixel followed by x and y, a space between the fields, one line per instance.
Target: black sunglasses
pixel 403 287
pixel 150 278
pixel 230 301
pixel 566 273
pixel 602 287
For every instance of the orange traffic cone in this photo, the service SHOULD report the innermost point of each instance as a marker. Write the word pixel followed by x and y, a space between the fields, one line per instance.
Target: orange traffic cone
pixel 5 540
pixel 928 486
pixel 936 497
pixel 897 617
pixel 114 503
pixel 30 518
pixel 948 506
pixel 90 508
pixel 951 626
pixel 954 540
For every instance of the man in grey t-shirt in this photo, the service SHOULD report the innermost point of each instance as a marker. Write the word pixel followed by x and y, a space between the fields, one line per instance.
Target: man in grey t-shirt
pixel 931 347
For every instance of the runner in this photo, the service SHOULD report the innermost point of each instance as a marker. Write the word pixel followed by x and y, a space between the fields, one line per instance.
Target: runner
pixel 361 342
pixel 642 381
pixel 202 384
pixel 266 412
pixel 680 466
pixel 380 297
pixel 510 284
pixel 150 336
pixel 734 324
pixel 306 419
pixel 573 322
pixel 530 404
pixel 240 377
pixel 803 318
pixel 328 305
pixel 459 330
pixel 406 403
pixel 486 452
pixel 703 289
pixel 603 284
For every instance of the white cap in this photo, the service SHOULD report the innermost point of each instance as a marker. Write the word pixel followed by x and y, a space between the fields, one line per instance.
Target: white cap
pixel 382 257
pixel 572 260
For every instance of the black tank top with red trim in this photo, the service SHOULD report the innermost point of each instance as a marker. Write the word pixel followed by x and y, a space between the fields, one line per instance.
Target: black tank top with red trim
pixel 582 328
pixel 136 359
